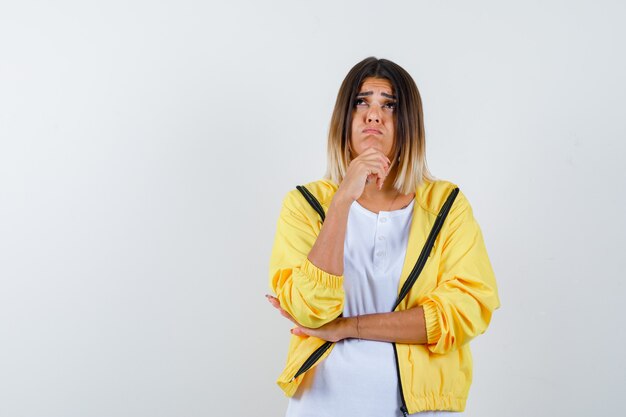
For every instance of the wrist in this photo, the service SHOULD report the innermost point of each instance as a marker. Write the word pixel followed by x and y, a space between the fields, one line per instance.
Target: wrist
pixel 342 201
pixel 351 327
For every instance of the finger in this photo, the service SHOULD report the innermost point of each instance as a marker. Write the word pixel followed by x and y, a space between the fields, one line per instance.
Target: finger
pixel 370 150
pixel 274 302
pixel 377 165
pixel 285 314
pixel 298 331
pixel 383 158
pixel 376 170
pixel 375 154
pixel 288 316
pixel 379 161
pixel 302 331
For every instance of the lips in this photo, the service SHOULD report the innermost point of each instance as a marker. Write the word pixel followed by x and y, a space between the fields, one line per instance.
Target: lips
pixel 371 131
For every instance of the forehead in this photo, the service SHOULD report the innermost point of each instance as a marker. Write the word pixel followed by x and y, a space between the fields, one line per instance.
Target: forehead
pixel 376 85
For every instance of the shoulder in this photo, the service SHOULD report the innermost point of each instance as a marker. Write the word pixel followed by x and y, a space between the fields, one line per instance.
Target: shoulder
pixel 323 190
pixel 431 195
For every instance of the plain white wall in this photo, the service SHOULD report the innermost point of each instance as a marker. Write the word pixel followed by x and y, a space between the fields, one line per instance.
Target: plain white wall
pixel 145 148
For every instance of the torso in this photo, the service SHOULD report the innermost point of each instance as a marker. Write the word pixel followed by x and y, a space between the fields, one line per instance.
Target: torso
pixel 359 377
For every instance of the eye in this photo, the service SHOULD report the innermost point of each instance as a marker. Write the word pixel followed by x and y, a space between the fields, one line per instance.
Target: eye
pixel 359 102
pixel 391 105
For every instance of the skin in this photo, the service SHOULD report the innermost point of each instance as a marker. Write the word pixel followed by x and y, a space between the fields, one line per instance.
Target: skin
pixel 368 180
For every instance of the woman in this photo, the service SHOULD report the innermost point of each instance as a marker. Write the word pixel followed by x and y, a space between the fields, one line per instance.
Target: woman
pixel 338 270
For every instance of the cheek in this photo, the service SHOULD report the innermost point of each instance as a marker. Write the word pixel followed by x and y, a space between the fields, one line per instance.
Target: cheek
pixel 353 127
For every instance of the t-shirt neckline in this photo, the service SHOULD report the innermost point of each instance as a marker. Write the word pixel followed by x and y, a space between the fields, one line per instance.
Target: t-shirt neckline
pixel 392 213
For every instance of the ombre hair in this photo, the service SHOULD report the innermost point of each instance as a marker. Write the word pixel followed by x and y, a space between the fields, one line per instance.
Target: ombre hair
pixel 409 146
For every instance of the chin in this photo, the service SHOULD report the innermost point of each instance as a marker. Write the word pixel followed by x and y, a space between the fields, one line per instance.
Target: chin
pixel 374 145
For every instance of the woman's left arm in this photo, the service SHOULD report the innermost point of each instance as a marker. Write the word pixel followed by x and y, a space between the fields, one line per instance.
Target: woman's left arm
pixel 460 307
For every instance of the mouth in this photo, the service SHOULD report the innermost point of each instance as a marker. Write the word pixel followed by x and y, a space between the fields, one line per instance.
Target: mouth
pixel 372 131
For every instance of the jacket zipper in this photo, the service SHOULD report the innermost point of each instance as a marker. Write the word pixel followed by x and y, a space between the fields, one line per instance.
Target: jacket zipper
pixel 427 249
pixel 405 411
pixel 310 198
pixel 310 361
pixel 415 273
pixel 317 354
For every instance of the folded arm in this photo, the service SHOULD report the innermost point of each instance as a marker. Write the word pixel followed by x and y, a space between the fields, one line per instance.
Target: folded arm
pixel 306 268
pixel 455 312
pixel 406 326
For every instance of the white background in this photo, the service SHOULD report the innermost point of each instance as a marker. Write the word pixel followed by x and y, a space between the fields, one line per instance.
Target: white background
pixel 145 148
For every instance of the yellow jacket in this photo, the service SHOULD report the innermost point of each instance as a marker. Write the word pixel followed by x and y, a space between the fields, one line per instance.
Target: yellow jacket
pixel 457 290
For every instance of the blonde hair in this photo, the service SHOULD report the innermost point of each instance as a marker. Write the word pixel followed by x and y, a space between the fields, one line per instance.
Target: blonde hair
pixel 409 149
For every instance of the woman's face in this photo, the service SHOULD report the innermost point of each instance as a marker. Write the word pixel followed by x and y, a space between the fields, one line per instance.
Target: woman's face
pixel 373 119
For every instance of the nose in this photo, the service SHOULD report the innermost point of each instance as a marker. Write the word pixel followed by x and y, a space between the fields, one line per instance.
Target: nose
pixel 373 116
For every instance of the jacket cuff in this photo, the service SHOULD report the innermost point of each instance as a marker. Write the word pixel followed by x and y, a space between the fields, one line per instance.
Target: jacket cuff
pixel 433 330
pixel 320 276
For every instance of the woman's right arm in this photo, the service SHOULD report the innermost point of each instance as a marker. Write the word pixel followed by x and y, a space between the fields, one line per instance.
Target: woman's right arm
pixel 306 269
pixel 327 253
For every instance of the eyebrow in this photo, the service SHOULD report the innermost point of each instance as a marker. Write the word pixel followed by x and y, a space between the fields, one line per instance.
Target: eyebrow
pixel 369 93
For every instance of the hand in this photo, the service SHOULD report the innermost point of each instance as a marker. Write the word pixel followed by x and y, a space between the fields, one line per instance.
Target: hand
pixel 371 165
pixel 338 329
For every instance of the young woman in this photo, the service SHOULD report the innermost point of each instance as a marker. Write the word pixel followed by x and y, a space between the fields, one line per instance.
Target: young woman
pixel 338 268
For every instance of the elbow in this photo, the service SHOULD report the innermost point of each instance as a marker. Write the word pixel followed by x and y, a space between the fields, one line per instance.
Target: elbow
pixel 449 330
pixel 316 296
pixel 449 342
pixel 317 317
pixel 310 295
pixel 311 309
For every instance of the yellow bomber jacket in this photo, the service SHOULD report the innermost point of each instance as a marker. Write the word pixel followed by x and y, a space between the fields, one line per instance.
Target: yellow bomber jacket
pixel 457 290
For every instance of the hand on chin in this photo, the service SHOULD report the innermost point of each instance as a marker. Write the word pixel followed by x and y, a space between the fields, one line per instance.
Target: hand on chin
pixel 370 178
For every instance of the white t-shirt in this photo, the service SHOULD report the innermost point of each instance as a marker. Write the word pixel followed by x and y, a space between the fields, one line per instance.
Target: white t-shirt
pixel 359 377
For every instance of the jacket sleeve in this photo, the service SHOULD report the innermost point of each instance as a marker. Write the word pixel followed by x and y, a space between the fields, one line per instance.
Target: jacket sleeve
pixel 461 305
pixel 312 296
